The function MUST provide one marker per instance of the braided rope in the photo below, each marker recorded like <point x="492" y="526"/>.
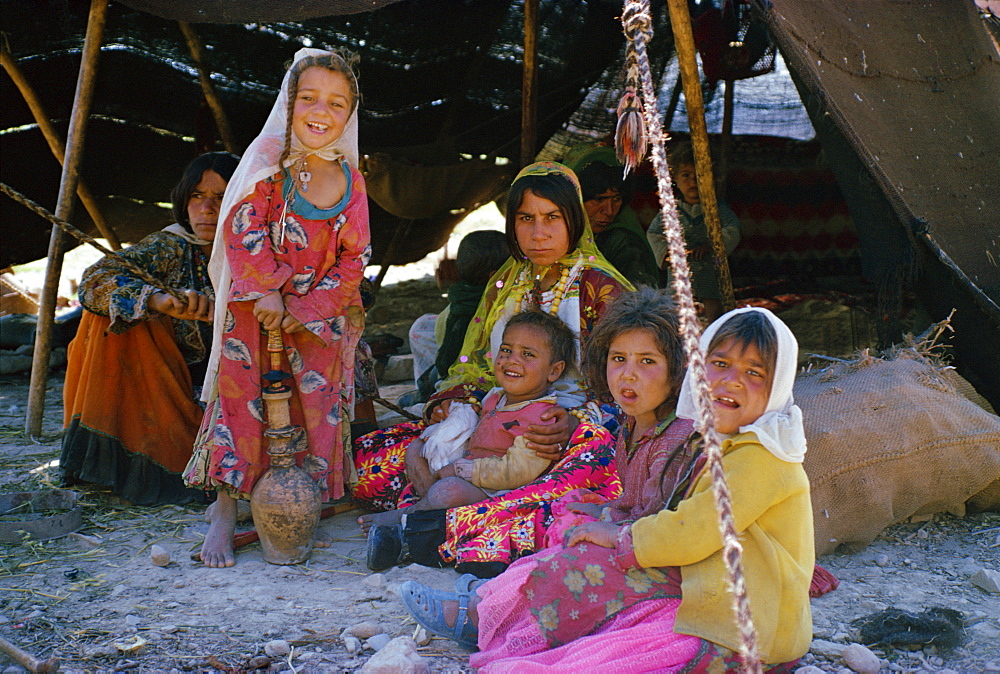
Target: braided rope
<point x="70" y="229"/>
<point x="637" y="23"/>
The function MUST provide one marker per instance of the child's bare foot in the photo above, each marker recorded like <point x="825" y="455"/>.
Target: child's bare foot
<point x="391" y="517"/>
<point x="217" y="550"/>
<point x="322" y="540"/>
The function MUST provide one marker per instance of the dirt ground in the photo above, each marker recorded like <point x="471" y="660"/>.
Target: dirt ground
<point x="95" y="600"/>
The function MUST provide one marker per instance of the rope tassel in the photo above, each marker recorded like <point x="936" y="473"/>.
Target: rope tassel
<point x="631" y="139"/>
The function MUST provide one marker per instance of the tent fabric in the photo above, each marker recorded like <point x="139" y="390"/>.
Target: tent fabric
<point x="242" y="11"/>
<point x="914" y="87"/>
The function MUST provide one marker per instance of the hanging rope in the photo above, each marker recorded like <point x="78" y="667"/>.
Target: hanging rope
<point x="637" y="23"/>
<point x="70" y="229"/>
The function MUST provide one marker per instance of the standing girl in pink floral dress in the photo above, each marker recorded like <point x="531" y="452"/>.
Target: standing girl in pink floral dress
<point x="290" y="254"/>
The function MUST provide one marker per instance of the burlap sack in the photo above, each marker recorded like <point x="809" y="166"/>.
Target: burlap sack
<point x="888" y="440"/>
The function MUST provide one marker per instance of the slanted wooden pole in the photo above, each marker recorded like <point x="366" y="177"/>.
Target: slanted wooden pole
<point x="55" y="143"/>
<point x="680" y="24"/>
<point x="67" y="190"/>
<point x="198" y="54"/>
<point x="529" y="84"/>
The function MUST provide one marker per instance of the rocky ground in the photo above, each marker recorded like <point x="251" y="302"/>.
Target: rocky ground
<point x="99" y="599"/>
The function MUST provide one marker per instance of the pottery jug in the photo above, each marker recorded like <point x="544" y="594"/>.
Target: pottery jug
<point x="286" y="501"/>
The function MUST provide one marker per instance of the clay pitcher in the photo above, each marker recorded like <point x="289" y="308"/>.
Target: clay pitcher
<point x="286" y="501"/>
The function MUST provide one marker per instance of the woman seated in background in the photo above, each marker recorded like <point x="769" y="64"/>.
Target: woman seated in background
<point x="617" y="232"/>
<point x="129" y="402"/>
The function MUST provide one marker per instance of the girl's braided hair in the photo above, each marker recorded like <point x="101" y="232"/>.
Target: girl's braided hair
<point x="339" y="62"/>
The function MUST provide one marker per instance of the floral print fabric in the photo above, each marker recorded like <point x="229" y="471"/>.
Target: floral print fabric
<point x="316" y="265"/>
<point x="509" y="526"/>
<point x="109" y="289"/>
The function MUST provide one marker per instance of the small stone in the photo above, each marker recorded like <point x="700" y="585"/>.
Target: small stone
<point x="364" y="630"/>
<point x="105" y="651"/>
<point x="34" y="614"/>
<point x="118" y="589"/>
<point x="992" y="666"/>
<point x="277" y="648"/>
<point x="870" y="606"/>
<point x="882" y="560"/>
<point x="825" y="648"/>
<point x="4" y="620"/>
<point x="153" y="636"/>
<point x="399" y="656"/>
<point x="376" y="581"/>
<point x="420" y="636"/>
<point x="308" y="656"/>
<point x="809" y="669"/>
<point x="159" y="555"/>
<point x="861" y="659"/>
<point x="132" y="619"/>
<point x="352" y="644"/>
<point x="987" y="579"/>
<point x="947" y="671"/>
<point x="178" y="584"/>
<point x="378" y="642"/>
<point x="968" y="565"/>
<point x="258" y="662"/>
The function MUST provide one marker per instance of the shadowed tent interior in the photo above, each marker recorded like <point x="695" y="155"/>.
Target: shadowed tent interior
<point x="874" y="167"/>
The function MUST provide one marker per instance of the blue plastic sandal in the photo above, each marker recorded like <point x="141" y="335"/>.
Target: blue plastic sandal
<point x="468" y="583"/>
<point x="426" y="605"/>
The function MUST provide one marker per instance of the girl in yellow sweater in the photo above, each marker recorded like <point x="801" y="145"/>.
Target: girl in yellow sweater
<point x="653" y="595"/>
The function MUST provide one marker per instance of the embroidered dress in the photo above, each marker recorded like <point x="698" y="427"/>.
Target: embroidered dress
<point x="129" y="404"/>
<point x="316" y="258"/>
<point x="512" y="525"/>
<point x="652" y="472"/>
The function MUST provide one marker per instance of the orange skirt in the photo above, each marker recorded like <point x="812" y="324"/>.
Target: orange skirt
<point x="129" y="410"/>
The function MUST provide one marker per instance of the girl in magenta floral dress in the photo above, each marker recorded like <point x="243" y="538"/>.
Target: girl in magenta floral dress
<point x="296" y="243"/>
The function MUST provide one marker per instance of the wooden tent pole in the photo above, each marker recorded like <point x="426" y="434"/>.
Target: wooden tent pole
<point x="55" y="143"/>
<point x="67" y="190"/>
<point x="529" y="84"/>
<point x="727" y="137"/>
<point x="204" y="76"/>
<point x="680" y="24"/>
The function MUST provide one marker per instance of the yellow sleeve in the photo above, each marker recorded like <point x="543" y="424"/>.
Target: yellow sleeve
<point x="757" y="480"/>
<point x="516" y="468"/>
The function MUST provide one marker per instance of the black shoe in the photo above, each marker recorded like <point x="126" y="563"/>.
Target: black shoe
<point x="385" y="546"/>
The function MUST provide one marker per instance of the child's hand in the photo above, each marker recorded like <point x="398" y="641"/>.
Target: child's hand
<point x="418" y="471"/>
<point x="440" y="412"/>
<point x="290" y="324"/>
<point x="270" y="310"/>
<point x="591" y="509"/>
<point x="604" y="534"/>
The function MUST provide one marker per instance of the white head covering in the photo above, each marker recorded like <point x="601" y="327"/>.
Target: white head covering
<point x="780" y="428"/>
<point x="260" y="161"/>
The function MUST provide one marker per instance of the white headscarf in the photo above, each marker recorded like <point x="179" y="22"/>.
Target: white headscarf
<point x="259" y="162"/>
<point x="780" y="428"/>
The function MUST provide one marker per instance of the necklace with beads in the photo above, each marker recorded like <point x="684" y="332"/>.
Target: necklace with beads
<point x="558" y="290"/>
